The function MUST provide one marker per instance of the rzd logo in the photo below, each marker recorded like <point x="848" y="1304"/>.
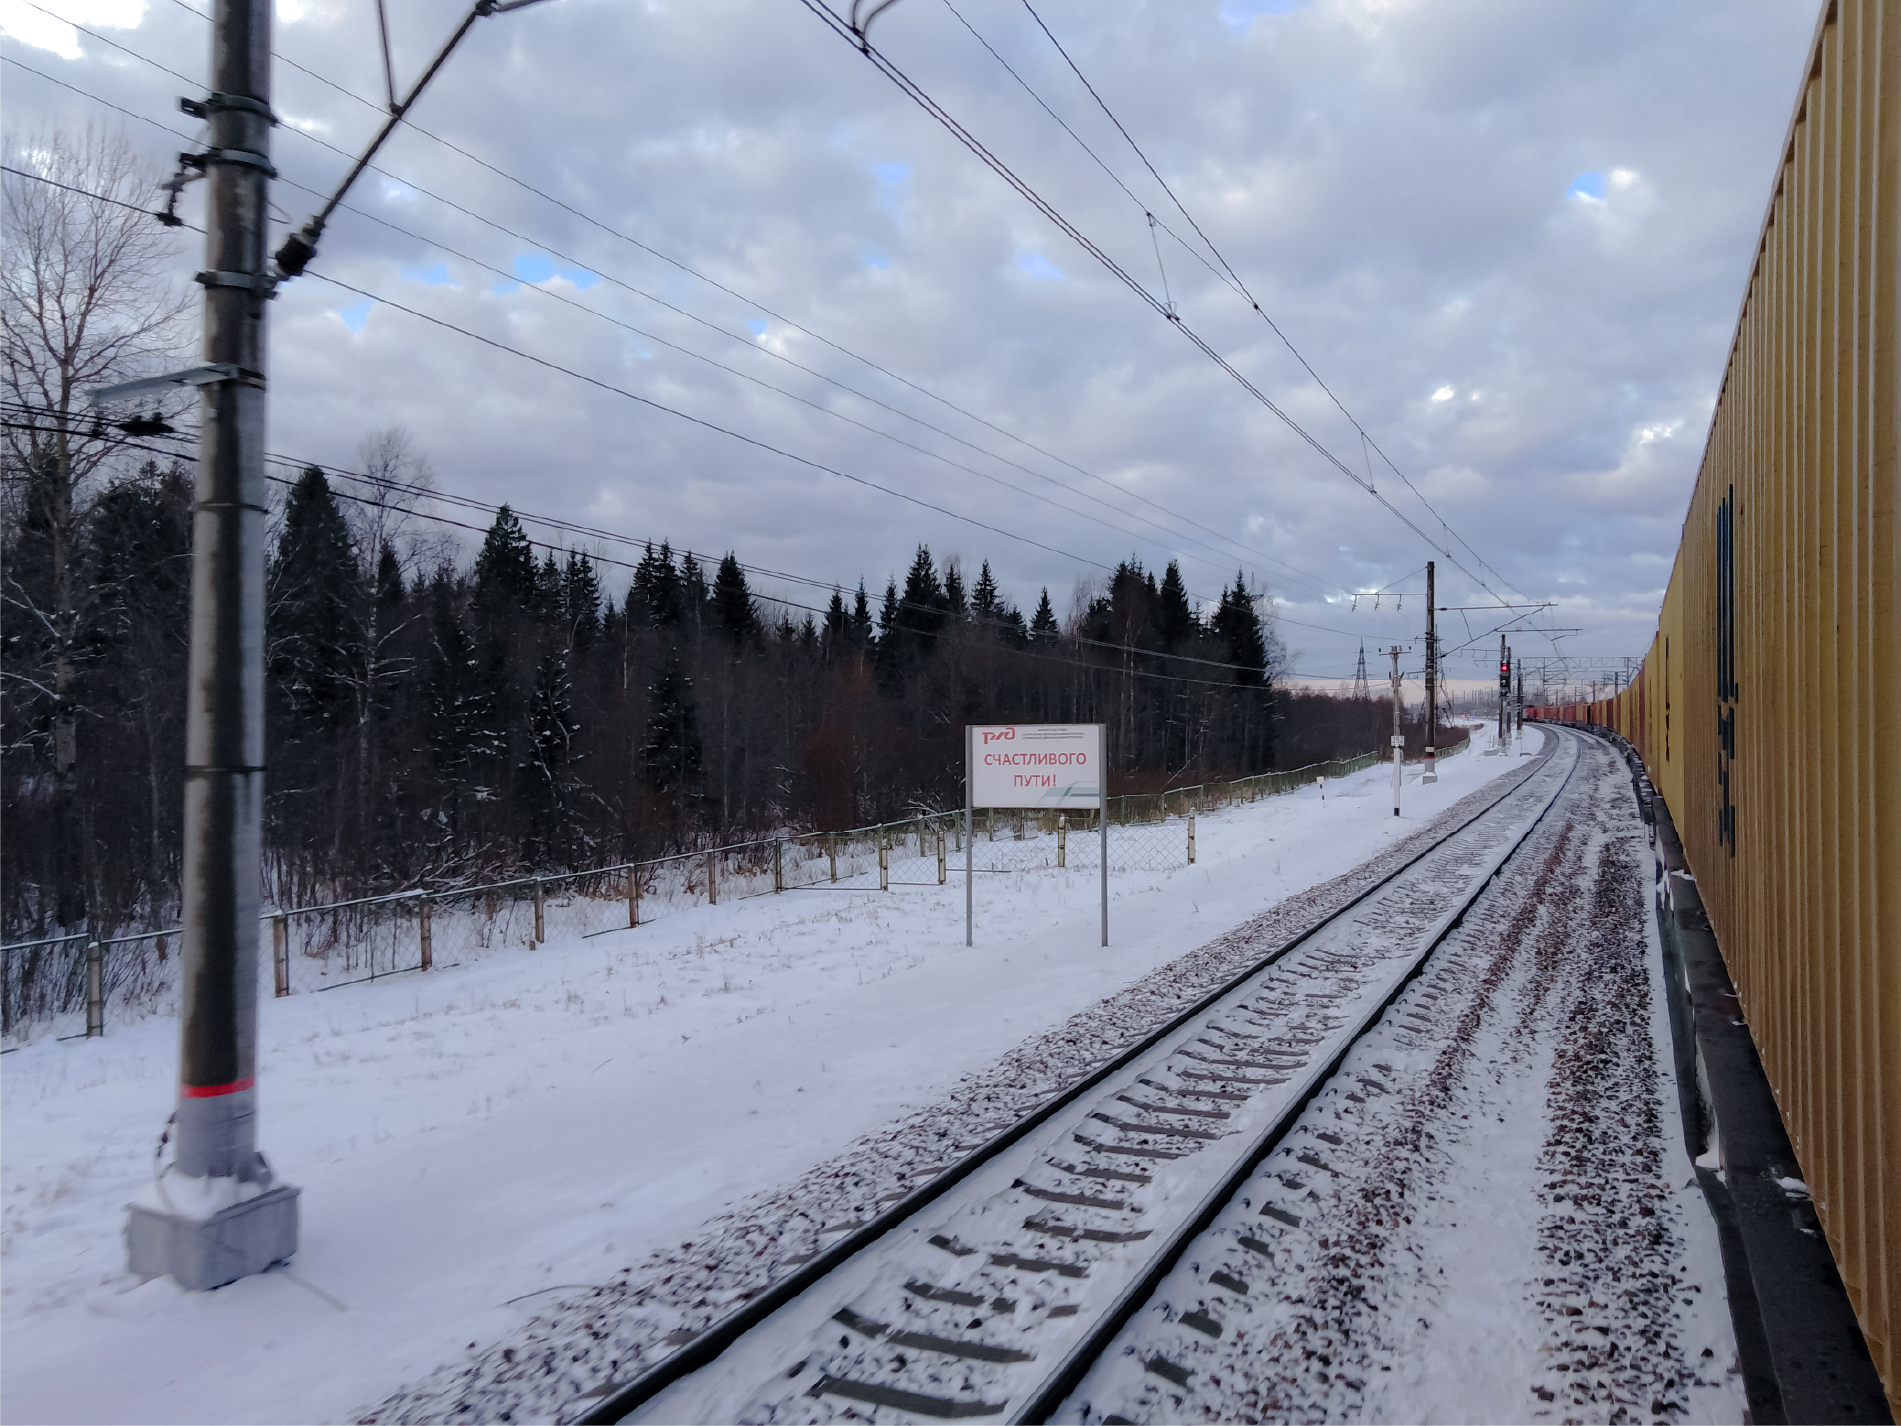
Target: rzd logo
<point x="1003" y="736"/>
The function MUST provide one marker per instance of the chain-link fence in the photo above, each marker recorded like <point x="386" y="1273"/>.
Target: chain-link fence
<point x="318" y="948"/>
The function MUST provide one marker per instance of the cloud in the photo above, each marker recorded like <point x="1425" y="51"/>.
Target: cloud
<point x="1389" y="181"/>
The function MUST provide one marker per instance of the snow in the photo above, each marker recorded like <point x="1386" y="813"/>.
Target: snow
<point x="471" y="1139"/>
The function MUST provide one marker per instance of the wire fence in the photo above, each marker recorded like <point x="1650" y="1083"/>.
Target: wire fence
<point x="317" y="948"/>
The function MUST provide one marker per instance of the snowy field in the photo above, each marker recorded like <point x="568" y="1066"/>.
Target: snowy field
<point x="475" y="1139"/>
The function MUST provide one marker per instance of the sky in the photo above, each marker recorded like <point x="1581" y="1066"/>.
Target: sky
<point x="1497" y="252"/>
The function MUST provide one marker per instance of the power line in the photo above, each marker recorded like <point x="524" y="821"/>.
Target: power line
<point x="520" y="237"/>
<point x="703" y="557"/>
<point x="652" y="336"/>
<point x="1237" y="285"/>
<point x="1249" y="551"/>
<point x="957" y="130"/>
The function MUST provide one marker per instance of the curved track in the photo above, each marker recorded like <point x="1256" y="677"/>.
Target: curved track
<point x="990" y="1294"/>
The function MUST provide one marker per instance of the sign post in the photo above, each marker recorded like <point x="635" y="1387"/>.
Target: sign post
<point x="1039" y="767"/>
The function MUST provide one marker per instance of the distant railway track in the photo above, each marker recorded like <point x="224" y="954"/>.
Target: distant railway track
<point x="989" y="1292"/>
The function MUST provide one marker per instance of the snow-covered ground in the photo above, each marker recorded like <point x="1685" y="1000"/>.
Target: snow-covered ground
<point x="468" y="1140"/>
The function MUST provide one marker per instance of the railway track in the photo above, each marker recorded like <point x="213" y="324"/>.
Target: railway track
<point x="989" y="1294"/>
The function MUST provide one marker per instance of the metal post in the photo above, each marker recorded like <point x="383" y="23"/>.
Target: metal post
<point x="1191" y="836"/>
<point x="1399" y="739"/>
<point x="541" y="912"/>
<point x="778" y="865"/>
<point x="95" y="989"/>
<point x="216" y="1136"/>
<point x="1521" y="710"/>
<point x="712" y="881"/>
<point x="423" y="930"/>
<point x="1431" y="774"/>
<point x="884" y="860"/>
<point x="1102" y="817"/>
<point x="280" y="955"/>
<point x="633" y="897"/>
<point x="1504" y="687"/>
<point x="940" y="854"/>
<point x="834" y="855"/>
<point x="970" y="830"/>
<point x="1062" y="839"/>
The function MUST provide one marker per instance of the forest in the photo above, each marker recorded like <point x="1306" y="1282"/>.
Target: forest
<point x="436" y="721"/>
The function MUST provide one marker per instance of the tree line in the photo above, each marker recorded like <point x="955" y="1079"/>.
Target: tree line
<point x="436" y="722"/>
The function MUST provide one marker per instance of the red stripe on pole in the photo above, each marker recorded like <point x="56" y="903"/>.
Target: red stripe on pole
<point x="212" y="1091"/>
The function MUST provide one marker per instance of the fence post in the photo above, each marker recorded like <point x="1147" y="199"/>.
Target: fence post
<point x="884" y="861"/>
<point x="778" y="865"/>
<point x="1062" y="841"/>
<point x="920" y="840"/>
<point x="712" y="880"/>
<point x="95" y="989"/>
<point x="940" y="853"/>
<point x="633" y="896"/>
<point x="280" y="954"/>
<point x="832" y="846"/>
<point x="423" y="930"/>
<point x="541" y="912"/>
<point x="1191" y="836"/>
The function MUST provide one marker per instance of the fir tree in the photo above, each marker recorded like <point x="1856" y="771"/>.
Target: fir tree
<point x="315" y="604"/>
<point x="693" y="596"/>
<point x="670" y="759"/>
<point x="732" y="606"/>
<point x="1174" y="619"/>
<point x="655" y="599"/>
<point x="1043" y="625"/>
<point x="986" y="603"/>
<point x="547" y="784"/>
<point x="581" y="601"/>
<point x="1237" y="630"/>
<point x="861" y="618"/>
<point x="956" y="605"/>
<point x="506" y="581"/>
<point x="838" y="631"/>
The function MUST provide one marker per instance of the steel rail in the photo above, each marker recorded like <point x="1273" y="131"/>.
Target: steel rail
<point x="621" y="1401"/>
<point x="1070" y="1372"/>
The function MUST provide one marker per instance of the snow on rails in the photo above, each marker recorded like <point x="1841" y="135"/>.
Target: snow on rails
<point x="998" y="1298"/>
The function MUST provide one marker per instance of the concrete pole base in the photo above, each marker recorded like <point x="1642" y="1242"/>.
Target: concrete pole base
<point x="203" y="1253"/>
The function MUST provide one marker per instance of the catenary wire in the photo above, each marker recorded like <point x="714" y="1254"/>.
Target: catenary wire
<point x="776" y="316"/>
<point x="179" y="133"/>
<point x="583" y="307"/>
<point x="912" y="90"/>
<point x="605" y="559"/>
<point x="1237" y="285"/>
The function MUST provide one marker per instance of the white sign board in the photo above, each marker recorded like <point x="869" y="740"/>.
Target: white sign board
<point x="1036" y="765"/>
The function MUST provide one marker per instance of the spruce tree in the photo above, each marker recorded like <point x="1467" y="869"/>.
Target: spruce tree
<point x="956" y="605"/>
<point x="1043" y="625"/>
<point x="547" y="784"/>
<point x="315" y="608"/>
<point x="861" y="619"/>
<point x="507" y="584"/>
<point x="986" y="603"/>
<point x="581" y="601"/>
<point x="838" y="630"/>
<point x="1174" y="619"/>
<point x="732" y="607"/>
<point x="670" y="758"/>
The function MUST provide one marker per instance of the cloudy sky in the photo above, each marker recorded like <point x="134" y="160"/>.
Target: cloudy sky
<point x="801" y="321"/>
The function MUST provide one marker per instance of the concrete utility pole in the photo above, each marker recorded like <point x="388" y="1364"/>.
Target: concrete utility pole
<point x="1504" y="687"/>
<point x="1431" y="774"/>
<point x="1521" y="709"/>
<point x="221" y="1218"/>
<point x="1399" y="738"/>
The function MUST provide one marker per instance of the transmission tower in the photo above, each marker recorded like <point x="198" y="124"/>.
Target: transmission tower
<point x="1360" y="687"/>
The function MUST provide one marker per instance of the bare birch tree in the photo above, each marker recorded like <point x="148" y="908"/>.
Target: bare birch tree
<point x="88" y="295"/>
